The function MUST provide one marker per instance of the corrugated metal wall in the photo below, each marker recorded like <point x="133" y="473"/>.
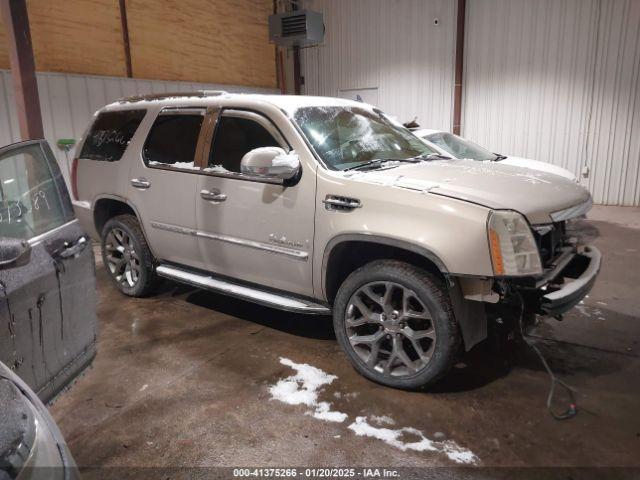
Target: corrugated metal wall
<point x="553" y="80"/>
<point x="391" y="45"/>
<point x="558" y="81"/>
<point x="68" y="102"/>
<point x="613" y="142"/>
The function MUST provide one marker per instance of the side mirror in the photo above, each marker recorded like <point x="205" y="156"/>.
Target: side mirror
<point x="13" y="251"/>
<point x="270" y="162"/>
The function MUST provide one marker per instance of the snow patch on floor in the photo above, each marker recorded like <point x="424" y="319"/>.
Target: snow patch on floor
<point x="382" y="420"/>
<point x="348" y="396"/>
<point x="394" y="438"/>
<point x="323" y="412"/>
<point x="583" y="309"/>
<point x="303" y="389"/>
<point x="590" y="312"/>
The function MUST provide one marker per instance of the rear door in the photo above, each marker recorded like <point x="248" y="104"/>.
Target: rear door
<point x="47" y="275"/>
<point x="163" y="182"/>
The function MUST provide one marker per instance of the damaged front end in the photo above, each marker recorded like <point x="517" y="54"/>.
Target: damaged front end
<point x="540" y="270"/>
<point x="570" y="266"/>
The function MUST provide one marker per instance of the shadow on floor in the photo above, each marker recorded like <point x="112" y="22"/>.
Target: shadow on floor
<point x="488" y="361"/>
<point x="310" y="326"/>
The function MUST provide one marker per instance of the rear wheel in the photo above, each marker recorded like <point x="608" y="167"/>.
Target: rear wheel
<point x="127" y="258"/>
<point x="396" y="324"/>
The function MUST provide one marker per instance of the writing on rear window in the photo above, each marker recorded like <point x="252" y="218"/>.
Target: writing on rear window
<point x="103" y="137"/>
<point x="110" y="135"/>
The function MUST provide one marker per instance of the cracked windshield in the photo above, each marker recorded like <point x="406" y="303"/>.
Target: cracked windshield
<point x="347" y="138"/>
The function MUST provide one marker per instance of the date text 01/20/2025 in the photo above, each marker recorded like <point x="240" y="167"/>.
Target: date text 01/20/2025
<point x="316" y="472"/>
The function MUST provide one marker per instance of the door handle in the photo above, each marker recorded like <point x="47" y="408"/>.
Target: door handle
<point x="141" y="183"/>
<point x="71" y="249"/>
<point x="213" y="195"/>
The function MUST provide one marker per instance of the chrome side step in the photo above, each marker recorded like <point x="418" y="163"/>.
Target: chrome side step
<point x="269" y="299"/>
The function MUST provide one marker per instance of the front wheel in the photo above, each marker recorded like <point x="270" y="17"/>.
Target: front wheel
<point x="396" y="324"/>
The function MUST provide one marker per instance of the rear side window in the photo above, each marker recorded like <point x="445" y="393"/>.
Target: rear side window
<point x="110" y="135"/>
<point x="173" y="139"/>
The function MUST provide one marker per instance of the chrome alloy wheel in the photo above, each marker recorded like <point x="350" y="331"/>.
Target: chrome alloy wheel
<point x="390" y="329"/>
<point x="122" y="260"/>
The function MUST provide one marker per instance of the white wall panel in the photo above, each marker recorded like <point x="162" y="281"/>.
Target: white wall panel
<point x="557" y="80"/>
<point x="613" y="148"/>
<point x="68" y="101"/>
<point x="553" y="80"/>
<point x="392" y="45"/>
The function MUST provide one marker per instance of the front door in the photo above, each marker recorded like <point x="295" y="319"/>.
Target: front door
<point x="47" y="274"/>
<point x="163" y="185"/>
<point x="251" y="230"/>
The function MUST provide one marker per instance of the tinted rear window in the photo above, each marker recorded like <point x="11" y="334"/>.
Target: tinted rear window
<point x="110" y="135"/>
<point x="173" y="140"/>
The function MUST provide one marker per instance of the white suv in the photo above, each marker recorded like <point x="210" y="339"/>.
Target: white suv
<point x="321" y="205"/>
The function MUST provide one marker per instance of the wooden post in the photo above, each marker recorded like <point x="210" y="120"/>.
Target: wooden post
<point x="125" y="38"/>
<point x="457" y="88"/>
<point x="23" y="71"/>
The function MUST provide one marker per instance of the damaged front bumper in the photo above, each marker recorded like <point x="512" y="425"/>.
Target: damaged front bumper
<point x="478" y="303"/>
<point x="563" y="285"/>
<point x="570" y="282"/>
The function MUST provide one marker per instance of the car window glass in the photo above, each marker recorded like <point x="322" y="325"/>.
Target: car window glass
<point x="459" y="147"/>
<point x="110" y="135"/>
<point x="173" y="140"/>
<point x="33" y="197"/>
<point x="346" y="136"/>
<point x="234" y="138"/>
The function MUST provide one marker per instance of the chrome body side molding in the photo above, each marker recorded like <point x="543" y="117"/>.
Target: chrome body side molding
<point x="252" y="294"/>
<point x="268" y="247"/>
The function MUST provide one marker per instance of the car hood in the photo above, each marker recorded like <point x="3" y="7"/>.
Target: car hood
<point x="533" y="193"/>
<point x="538" y="165"/>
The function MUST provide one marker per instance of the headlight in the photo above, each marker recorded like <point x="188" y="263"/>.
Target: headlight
<point x="513" y="249"/>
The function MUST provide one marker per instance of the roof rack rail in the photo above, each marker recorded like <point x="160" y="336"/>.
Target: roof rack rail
<point x="164" y="96"/>
<point x="213" y="93"/>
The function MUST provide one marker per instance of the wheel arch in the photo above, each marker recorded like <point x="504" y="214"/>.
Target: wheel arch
<point x="345" y="253"/>
<point x="108" y="206"/>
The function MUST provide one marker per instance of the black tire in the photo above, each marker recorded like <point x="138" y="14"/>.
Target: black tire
<point x="147" y="279"/>
<point x="419" y="286"/>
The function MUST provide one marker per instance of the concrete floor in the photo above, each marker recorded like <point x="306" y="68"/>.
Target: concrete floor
<point x="182" y="379"/>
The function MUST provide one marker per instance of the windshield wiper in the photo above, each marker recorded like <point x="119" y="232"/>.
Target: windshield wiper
<point x="378" y="162"/>
<point x="433" y="156"/>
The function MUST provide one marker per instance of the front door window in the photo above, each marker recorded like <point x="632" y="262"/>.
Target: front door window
<point x="235" y="137"/>
<point x="33" y="197"/>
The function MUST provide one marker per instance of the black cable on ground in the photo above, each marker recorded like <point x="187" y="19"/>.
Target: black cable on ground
<point x="572" y="410"/>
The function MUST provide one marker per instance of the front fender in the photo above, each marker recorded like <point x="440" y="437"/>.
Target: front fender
<point x="380" y="240"/>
